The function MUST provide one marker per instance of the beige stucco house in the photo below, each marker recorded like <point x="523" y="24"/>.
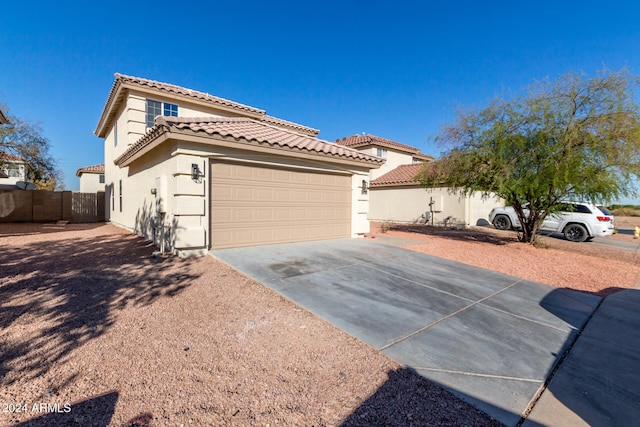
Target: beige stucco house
<point x="193" y="171"/>
<point x="91" y="178"/>
<point x="394" y="153"/>
<point x="396" y="195"/>
<point x="13" y="170"/>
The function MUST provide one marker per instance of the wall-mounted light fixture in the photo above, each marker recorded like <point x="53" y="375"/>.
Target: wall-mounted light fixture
<point x="365" y="187"/>
<point x="195" y="172"/>
<point x="154" y="191"/>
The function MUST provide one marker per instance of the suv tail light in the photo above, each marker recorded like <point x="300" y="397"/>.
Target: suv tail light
<point x="604" y="218"/>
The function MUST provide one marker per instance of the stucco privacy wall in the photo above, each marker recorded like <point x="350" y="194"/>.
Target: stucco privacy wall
<point x="409" y="204"/>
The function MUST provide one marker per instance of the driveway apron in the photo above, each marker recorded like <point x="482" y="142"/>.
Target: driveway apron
<point x="489" y="338"/>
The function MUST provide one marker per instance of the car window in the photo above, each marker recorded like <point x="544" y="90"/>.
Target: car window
<point x="605" y="210"/>
<point x="581" y="209"/>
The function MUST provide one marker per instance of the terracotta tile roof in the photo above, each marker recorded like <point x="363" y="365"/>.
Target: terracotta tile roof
<point x="249" y="131"/>
<point x="290" y="125"/>
<point x="166" y="87"/>
<point x="121" y="80"/>
<point x="402" y="175"/>
<point x="91" y="169"/>
<point x="356" y="141"/>
<point x="9" y="156"/>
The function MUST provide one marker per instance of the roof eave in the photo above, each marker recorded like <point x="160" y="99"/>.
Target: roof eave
<point x="165" y="133"/>
<point x="112" y="102"/>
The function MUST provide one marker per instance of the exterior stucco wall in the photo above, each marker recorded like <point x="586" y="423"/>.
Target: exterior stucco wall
<point x="180" y="223"/>
<point x="409" y="204"/>
<point x="168" y="171"/>
<point x="359" y="204"/>
<point x="12" y="180"/>
<point x="393" y="160"/>
<point x="90" y="183"/>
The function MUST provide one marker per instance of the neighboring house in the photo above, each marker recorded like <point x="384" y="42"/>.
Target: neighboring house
<point x="194" y="172"/>
<point x="398" y="196"/>
<point x="394" y="153"/>
<point x="395" y="195"/>
<point x="91" y="178"/>
<point x="12" y="170"/>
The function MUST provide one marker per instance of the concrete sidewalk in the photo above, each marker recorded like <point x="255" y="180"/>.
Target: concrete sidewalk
<point x="598" y="384"/>
<point x="491" y="339"/>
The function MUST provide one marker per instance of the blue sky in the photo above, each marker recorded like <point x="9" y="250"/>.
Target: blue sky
<point x="395" y="69"/>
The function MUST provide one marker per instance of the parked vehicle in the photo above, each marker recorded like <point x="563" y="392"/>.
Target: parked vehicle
<point x="577" y="221"/>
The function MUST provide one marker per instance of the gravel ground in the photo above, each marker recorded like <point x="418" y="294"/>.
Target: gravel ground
<point x="94" y="331"/>
<point x="556" y="262"/>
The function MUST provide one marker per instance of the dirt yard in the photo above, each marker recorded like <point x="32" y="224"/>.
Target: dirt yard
<point x="556" y="262"/>
<point x="94" y="331"/>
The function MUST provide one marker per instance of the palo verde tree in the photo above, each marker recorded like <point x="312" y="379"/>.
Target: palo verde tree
<point x="23" y="140"/>
<point x="576" y="138"/>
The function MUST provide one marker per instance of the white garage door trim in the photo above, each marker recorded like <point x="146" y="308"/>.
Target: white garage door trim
<point x="261" y="204"/>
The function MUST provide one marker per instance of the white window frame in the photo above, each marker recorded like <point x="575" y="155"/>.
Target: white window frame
<point x="165" y="107"/>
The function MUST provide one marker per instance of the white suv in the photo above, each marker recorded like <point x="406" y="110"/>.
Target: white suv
<point x="578" y="221"/>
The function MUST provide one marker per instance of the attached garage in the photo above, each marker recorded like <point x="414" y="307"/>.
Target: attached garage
<point x="258" y="204"/>
<point x="224" y="182"/>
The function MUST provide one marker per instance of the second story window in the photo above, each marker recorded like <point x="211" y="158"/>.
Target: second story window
<point x="170" y="110"/>
<point x="101" y="178"/>
<point x="382" y="152"/>
<point x="157" y="108"/>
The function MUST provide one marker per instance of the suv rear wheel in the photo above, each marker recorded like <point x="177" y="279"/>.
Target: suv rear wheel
<point x="575" y="233"/>
<point x="502" y="222"/>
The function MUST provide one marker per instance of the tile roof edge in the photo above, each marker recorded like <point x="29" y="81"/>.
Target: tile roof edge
<point x="164" y="124"/>
<point x="170" y="87"/>
<point x="384" y="180"/>
<point x="295" y="126"/>
<point x="369" y="139"/>
<point x="98" y="168"/>
<point x="123" y="80"/>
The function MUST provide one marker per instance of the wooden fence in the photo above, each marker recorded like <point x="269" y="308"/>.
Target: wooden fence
<point x="46" y="206"/>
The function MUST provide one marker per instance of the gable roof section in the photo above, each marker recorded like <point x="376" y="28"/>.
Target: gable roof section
<point x="123" y="82"/>
<point x="357" y="141"/>
<point x="252" y="132"/>
<point x="91" y="169"/>
<point x="402" y="175"/>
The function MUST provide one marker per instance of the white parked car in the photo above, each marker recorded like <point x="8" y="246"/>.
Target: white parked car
<point x="578" y="221"/>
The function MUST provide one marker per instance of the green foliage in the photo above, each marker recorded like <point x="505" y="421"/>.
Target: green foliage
<point x="574" y="138"/>
<point x="23" y="139"/>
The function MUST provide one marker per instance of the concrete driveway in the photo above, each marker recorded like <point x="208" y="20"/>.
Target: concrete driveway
<point x="490" y="338"/>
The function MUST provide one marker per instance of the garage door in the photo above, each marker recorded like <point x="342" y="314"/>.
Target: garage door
<point x="256" y="205"/>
